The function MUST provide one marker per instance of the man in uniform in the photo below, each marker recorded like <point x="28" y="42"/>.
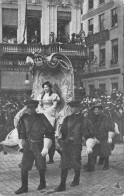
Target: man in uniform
<point x="36" y="134"/>
<point x="71" y="145"/>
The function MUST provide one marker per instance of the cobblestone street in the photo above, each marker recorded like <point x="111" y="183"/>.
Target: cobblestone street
<point x="97" y="183"/>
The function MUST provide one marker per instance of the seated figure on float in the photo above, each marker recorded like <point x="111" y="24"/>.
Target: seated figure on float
<point x="48" y="101"/>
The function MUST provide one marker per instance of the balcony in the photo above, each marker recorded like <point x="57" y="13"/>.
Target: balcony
<point x="26" y="49"/>
<point x="97" y="38"/>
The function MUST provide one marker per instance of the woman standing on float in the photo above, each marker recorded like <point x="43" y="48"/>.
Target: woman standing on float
<point x="48" y="101"/>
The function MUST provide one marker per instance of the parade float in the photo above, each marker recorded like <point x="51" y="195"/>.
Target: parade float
<point x="58" y="70"/>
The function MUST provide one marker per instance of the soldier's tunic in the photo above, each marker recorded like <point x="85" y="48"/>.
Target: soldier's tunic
<point x="71" y="144"/>
<point x="33" y="128"/>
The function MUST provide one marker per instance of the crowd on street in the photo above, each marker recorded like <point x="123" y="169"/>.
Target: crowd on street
<point x="113" y="105"/>
<point x="36" y="124"/>
<point x="10" y="104"/>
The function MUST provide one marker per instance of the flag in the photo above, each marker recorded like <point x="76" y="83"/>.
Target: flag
<point x="25" y="26"/>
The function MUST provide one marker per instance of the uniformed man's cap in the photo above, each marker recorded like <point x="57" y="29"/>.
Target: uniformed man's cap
<point x="31" y="103"/>
<point x="97" y="105"/>
<point x="74" y="103"/>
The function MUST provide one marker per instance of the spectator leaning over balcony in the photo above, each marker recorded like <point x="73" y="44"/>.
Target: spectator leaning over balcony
<point x="73" y="39"/>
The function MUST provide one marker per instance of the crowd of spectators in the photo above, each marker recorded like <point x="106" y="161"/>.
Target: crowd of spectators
<point x="10" y="104"/>
<point x="113" y="105"/>
<point x="68" y="39"/>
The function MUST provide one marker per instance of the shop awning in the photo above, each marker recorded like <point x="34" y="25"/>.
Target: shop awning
<point x="10" y="17"/>
<point x="34" y="13"/>
<point x="61" y="15"/>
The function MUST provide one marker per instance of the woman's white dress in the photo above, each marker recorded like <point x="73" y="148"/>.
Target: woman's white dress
<point x="46" y="106"/>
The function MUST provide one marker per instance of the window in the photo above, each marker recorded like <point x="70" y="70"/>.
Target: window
<point x="115" y="85"/>
<point x="33" y="26"/>
<point x="114" y="17"/>
<point x="102" y="87"/>
<point x="10" y="25"/>
<point x="102" y="22"/>
<point x="90" y="26"/>
<point x="102" y="55"/>
<point x="91" y="90"/>
<point x="91" y="53"/>
<point x="9" y="35"/>
<point x="114" y="59"/>
<point x="81" y="26"/>
<point x="101" y="2"/>
<point x="90" y="4"/>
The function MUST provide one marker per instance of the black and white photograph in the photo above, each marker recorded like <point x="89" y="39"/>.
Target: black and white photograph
<point x="62" y="97"/>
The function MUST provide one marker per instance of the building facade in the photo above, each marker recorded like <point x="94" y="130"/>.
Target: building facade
<point x="103" y="23"/>
<point x="27" y="26"/>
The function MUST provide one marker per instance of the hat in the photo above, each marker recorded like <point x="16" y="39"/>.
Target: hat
<point x="31" y="102"/>
<point x="97" y="105"/>
<point x="74" y="103"/>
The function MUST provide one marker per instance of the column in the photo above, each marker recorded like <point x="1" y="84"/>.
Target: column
<point x="45" y="22"/>
<point x="120" y="83"/>
<point x="96" y="24"/>
<point x="96" y="84"/>
<point x="0" y="21"/>
<point x="53" y="19"/>
<point x="108" y="86"/>
<point x="78" y="20"/>
<point x="96" y="52"/>
<point x="75" y="24"/>
<point x="73" y="21"/>
<point x="86" y="86"/>
<point x="21" y="20"/>
<point x="108" y="53"/>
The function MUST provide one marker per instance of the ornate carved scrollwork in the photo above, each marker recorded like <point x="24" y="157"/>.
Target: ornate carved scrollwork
<point x="57" y="68"/>
<point x="63" y="3"/>
<point x="52" y="2"/>
<point x="78" y="4"/>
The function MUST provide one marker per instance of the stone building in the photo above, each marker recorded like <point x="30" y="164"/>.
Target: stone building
<point x="27" y="26"/>
<point x="103" y="23"/>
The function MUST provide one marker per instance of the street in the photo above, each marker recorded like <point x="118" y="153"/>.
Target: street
<point x="97" y="183"/>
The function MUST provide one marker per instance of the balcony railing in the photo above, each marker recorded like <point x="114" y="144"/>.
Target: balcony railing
<point x="67" y="49"/>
